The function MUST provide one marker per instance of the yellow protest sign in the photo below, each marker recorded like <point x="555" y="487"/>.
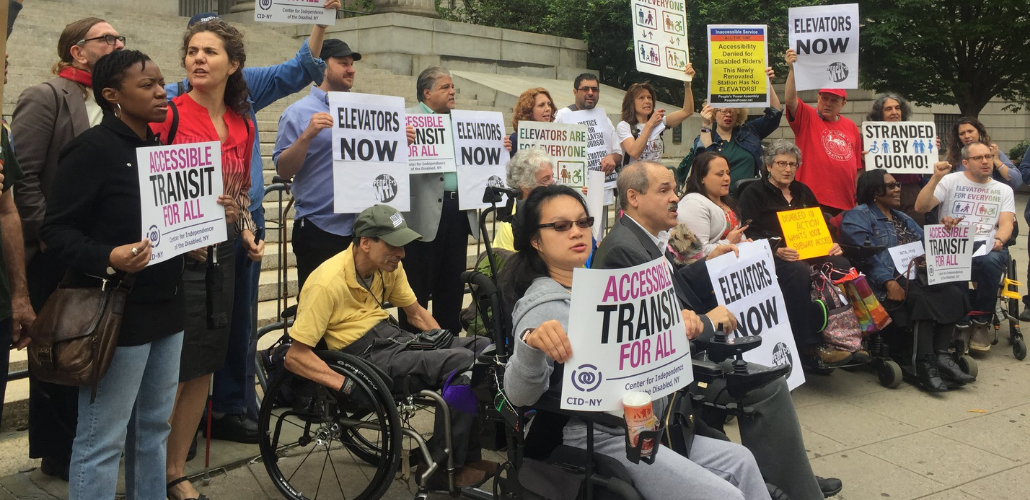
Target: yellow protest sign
<point x="737" y="57"/>
<point x="805" y="231"/>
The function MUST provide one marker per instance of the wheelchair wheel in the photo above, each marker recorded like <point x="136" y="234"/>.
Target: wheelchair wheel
<point x="968" y="365"/>
<point x="328" y="445"/>
<point x="889" y="373"/>
<point x="1019" y="349"/>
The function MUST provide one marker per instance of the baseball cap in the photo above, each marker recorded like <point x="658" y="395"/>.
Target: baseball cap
<point x="386" y="223"/>
<point x="837" y="92"/>
<point x="202" y="17"/>
<point x="333" y="47"/>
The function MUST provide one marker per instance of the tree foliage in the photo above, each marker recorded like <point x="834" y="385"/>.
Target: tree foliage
<point x="947" y="51"/>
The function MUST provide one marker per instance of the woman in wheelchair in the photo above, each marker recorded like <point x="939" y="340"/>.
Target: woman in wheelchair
<point x="552" y="241"/>
<point x="930" y="311"/>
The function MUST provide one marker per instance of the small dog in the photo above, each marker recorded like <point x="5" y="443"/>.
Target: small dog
<point x="684" y="245"/>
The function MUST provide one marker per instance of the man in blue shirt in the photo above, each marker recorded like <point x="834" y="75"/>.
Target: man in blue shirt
<point x="304" y="151"/>
<point x="234" y="403"/>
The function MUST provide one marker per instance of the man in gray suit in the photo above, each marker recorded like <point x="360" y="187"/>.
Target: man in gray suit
<point x="434" y="265"/>
<point x="773" y="434"/>
<point x="47" y="117"/>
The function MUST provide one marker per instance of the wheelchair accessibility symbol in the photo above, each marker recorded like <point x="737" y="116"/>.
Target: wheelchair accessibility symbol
<point x="586" y="378"/>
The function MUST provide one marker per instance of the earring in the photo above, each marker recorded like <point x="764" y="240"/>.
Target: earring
<point x="118" y="112"/>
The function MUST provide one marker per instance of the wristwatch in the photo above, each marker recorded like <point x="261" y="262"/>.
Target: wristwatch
<point x="705" y="129"/>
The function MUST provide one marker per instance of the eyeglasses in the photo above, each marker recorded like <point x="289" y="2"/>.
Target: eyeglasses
<point x="564" y="225"/>
<point x="786" y="164"/>
<point x="981" y="158"/>
<point x="108" y="39"/>
<point x="589" y="89"/>
<point x="892" y="185"/>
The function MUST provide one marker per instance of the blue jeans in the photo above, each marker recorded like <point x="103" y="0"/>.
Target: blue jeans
<point x="233" y="391"/>
<point x="987" y="272"/>
<point x="131" y="410"/>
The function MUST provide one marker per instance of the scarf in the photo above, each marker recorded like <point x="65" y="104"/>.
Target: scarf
<point x="77" y="75"/>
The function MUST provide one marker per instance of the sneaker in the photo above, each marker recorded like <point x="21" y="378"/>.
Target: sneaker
<point x="980" y="340"/>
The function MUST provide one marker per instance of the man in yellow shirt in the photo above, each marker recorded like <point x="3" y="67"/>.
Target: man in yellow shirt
<point x="342" y="303"/>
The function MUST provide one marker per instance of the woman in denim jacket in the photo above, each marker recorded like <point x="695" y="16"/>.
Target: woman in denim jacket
<point x="727" y="131"/>
<point x="930" y="311"/>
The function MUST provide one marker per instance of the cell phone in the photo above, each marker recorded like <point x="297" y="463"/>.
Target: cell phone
<point x="775" y="241"/>
<point x="747" y="223"/>
<point x="257" y="239"/>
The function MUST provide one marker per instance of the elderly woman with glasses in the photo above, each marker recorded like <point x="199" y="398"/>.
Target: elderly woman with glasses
<point x="528" y="169"/>
<point x="931" y="312"/>
<point x="779" y="191"/>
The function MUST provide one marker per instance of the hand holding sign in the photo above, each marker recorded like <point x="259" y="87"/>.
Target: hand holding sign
<point x="130" y="258"/>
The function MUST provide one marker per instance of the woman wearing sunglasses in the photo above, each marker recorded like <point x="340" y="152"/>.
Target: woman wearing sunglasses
<point x="554" y="241"/>
<point x="931" y="312"/>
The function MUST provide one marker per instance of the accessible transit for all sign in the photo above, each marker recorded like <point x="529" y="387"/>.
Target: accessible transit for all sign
<point x="949" y="253"/>
<point x="737" y="58"/>
<point x="179" y="187"/>
<point x="479" y="155"/>
<point x="660" y="37"/>
<point x="826" y="40"/>
<point x="370" y="152"/>
<point x="566" y="144"/>
<point x="627" y="335"/>
<point x="805" y="230"/>
<point x="748" y="287"/>
<point x="900" y="147"/>
<point x="433" y="149"/>
<point x="294" y="12"/>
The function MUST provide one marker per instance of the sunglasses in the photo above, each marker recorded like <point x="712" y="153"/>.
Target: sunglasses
<point x="564" y="225"/>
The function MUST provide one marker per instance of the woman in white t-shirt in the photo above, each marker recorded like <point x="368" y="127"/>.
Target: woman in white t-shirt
<point x="639" y="132"/>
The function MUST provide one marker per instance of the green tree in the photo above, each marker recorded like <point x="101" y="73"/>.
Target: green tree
<point x="947" y="51"/>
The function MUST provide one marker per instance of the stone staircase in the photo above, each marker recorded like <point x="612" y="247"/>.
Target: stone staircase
<point x="32" y="49"/>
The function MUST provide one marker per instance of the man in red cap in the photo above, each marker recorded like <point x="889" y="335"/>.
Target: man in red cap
<point x="830" y="144"/>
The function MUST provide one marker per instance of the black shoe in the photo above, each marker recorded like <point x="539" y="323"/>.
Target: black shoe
<point x="234" y="428"/>
<point x="1025" y="315"/>
<point x="54" y="467"/>
<point x="950" y="370"/>
<point x="830" y="486"/>
<point x="929" y="376"/>
<point x="190" y="455"/>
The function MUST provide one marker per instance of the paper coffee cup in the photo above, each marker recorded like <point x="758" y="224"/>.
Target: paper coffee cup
<point x="639" y="414"/>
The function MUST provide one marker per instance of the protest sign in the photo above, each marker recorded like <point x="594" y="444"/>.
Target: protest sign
<point x="628" y="335"/>
<point x="599" y="136"/>
<point x="179" y="187"/>
<point x="595" y="200"/>
<point x="826" y="40"/>
<point x="660" y="37"/>
<point x="370" y="157"/>
<point x="737" y="58"/>
<point x="949" y="253"/>
<point x="479" y="154"/>
<point x="565" y="143"/>
<point x="900" y="147"/>
<point x="747" y="286"/>
<point x="294" y="12"/>
<point x="433" y="149"/>
<point x="902" y="255"/>
<point x="805" y="231"/>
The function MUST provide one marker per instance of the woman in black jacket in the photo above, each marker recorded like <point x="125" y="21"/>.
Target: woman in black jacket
<point x="93" y="224"/>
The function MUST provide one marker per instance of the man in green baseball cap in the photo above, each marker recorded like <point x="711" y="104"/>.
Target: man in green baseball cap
<point x="343" y="303"/>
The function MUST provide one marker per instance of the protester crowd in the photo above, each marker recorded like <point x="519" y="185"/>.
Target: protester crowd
<point x="72" y="220"/>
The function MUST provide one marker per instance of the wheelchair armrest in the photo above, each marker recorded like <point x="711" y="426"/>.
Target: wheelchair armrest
<point x="861" y="251"/>
<point x="720" y="348"/>
<point x="706" y="371"/>
<point x="289" y="312"/>
<point x="740" y="383"/>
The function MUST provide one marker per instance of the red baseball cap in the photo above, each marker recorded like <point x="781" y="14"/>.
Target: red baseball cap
<point x="837" y="92"/>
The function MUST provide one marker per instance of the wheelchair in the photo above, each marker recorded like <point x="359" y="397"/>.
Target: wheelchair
<point x="1007" y="307"/>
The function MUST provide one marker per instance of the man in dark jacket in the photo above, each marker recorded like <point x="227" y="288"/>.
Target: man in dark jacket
<point x="773" y="434"/>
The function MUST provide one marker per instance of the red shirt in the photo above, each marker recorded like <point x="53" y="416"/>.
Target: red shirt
<point x="195" y="126"/>
<point x="831" y="155"/>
